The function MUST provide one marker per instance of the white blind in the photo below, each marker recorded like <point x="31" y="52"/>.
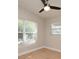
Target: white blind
<point x="56" y="29"/>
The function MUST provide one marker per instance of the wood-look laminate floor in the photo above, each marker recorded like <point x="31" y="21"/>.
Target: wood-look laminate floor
<point x="42" y="54"/>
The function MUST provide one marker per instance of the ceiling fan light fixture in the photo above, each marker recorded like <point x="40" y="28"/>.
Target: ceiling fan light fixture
<point x="46" y="8"/>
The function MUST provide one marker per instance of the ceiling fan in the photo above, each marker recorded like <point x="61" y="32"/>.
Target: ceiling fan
<point x="47" y="6"/>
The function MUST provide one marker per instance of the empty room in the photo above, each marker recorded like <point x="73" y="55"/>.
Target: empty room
<point x="39" y="29"/>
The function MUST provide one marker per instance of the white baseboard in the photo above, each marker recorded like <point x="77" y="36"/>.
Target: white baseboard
<point x="32" y="50"/>
<point x="53" y="49"/>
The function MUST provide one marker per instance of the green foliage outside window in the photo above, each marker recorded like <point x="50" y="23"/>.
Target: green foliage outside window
<point x="26" y="29"/>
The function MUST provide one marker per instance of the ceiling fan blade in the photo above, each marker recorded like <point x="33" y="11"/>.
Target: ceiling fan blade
<point x="41" y="10"/>
<point x="44" y="2"/>
<point x="54" y="7"/>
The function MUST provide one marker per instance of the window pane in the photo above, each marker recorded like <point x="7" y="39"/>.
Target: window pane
<point x="20" y="26"/>
<point x="20" y="36"/>
<point x="56" y="29"/>
<point x="30" y="30"/>
<point x="29" y="35"/>
<point x="30" y="27"/>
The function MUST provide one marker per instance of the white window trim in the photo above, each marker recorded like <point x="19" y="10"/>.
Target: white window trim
<point x="24" y="33"/>
<point x="53" y="27"/>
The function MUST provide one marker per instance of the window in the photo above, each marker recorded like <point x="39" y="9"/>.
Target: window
<point x="27" y="31"/>
<point x="56" y="29"/>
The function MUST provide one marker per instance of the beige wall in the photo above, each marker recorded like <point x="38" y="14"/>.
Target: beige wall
<point x="52" y="41"/>
<point x="27" y="16"/>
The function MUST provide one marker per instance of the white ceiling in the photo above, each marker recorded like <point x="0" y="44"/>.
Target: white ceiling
<point x="34" y="6"/>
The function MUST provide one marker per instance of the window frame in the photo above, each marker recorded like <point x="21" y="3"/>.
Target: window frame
<point x="24" y="32"/>
<point x="55" y="29"/>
